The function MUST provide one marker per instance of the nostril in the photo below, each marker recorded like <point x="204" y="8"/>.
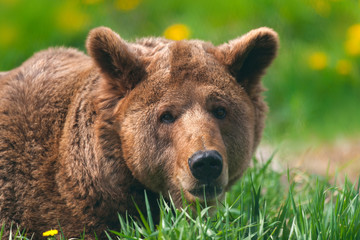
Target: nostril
<point x="198" y="165"/>
<point x="213" y="162"/>
<point x="206" y="165"/>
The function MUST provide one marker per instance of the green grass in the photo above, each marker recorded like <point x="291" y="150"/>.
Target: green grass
<point x="265" y="204"/>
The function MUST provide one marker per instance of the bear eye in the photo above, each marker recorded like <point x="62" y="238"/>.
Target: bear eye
<point x="167" y="117"/>
<point x="219" y="113"/>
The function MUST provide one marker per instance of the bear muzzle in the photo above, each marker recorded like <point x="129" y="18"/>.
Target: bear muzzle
<point x="206" y="167"/>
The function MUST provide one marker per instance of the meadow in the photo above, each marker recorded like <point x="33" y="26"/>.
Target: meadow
<point x="313" y="95"/>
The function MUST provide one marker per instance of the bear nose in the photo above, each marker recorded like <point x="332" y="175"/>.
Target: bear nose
<point x="206" y="166"/>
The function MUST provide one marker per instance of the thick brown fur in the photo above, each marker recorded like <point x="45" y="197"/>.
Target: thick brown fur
<point x="81" y="137"/>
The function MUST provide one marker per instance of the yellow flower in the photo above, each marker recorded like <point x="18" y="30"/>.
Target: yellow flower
<point x="322" y="7"/>
<point x="343" y="67"/>
<point x="352" y="47"/>
<point x="177" y="32"/>
<point x="91" y="2"/>
<point x="70" y="18"/>
<point x="126" y="5"/>
<point x="9" y="2"/>
<point x="317" y="60"/>
<point x="354" y="32"/>
<point x="8" y="35"/>
<point x="50" y="233"/>
<point x="352" y="44"/>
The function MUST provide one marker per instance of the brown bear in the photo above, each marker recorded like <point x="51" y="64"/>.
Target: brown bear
<point x="82" y="137"/>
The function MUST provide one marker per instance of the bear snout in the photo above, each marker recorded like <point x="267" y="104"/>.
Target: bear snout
<point x="206" y="166"/>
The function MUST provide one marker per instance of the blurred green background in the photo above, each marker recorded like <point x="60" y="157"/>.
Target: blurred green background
<point x="314" y="84"/>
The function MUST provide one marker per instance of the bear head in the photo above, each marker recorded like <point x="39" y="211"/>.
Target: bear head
<point x="189" y="115"/>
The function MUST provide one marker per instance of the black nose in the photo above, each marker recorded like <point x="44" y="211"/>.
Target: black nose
<point x="206" y="165"/>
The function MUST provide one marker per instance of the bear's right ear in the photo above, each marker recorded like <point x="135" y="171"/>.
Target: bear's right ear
<point x="119" y="65"/>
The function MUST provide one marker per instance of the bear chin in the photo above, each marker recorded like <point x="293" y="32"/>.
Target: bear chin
<point x="207" y="192"/>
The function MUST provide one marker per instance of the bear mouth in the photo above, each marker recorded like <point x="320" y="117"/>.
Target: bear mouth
<point x="207" y="191"/>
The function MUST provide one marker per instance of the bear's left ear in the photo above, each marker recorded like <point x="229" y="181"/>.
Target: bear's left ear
<point x="119" y="65"/>
<point x="247" y="57"/>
